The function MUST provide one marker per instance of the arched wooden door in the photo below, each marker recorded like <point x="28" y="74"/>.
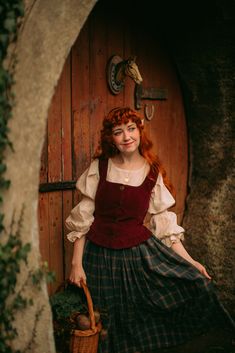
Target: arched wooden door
<point x="81" y="99"/>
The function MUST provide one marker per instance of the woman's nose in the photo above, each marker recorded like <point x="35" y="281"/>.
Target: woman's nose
<point x="126" y="135"/>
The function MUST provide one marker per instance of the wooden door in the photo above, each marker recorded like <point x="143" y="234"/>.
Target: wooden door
<point x="81" y="100"/>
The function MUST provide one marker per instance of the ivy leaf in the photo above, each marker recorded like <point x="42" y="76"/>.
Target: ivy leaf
<point x="4" y="39"/>
<point x="2" y="168"/>
<point x="4" y="184"/>
<point x="19" y="9"/>
<point x="23" y="252"/>
<point x="10" y="24"/>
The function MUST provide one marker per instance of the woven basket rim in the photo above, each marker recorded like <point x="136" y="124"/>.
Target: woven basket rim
<point x="86" y="333"/>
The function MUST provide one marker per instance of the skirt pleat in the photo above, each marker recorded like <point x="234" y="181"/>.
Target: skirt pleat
<point x="150" y="297"/>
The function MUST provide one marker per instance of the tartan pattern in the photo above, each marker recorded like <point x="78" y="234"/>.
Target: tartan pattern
<point x="153" y="297"/>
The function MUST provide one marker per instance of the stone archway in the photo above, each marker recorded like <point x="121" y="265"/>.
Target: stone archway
<point x="48" y="32"/>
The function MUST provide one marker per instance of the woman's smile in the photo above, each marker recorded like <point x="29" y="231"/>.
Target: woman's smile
<point x="128" y="144"/>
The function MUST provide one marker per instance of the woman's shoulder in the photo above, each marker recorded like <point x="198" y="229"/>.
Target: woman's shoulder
<point x="90" y="173"/>
<point x="93" y="167"/>
<point x="88" y="181"/>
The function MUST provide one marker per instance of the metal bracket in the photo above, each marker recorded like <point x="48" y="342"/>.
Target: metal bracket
<point x="58" y="186"/>
<point x="149" y="94"/>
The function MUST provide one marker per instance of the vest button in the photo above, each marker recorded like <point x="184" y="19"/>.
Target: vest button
<point x="122" y="187"/>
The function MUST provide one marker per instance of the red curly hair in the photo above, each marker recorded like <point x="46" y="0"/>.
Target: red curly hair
<point x="107" y="149"/>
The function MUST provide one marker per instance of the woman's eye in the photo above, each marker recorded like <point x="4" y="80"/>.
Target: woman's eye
<point x="131" y="128"/>
<point x="116" y="133"/>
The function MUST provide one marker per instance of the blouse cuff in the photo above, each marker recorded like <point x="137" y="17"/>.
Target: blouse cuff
<point x="72" y="236"/>
<point x="80" y="219"/>
<point x="168" y="240"/>
<point x="164" y="226"/>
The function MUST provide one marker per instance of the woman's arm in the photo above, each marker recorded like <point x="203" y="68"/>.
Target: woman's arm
<point x="77" y="273"/>
<point x="180" y="250"/>
<point x="163" y="223"/>
<point x="80" y="219"/>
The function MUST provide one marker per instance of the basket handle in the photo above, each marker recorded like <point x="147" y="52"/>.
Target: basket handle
<point x="89" y="304"/>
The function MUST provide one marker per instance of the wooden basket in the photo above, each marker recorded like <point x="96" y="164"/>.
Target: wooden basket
<point x="86" y="341"/>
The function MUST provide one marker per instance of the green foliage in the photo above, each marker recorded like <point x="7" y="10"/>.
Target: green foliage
<point x="13" y="253"/>
<point x="68" y="301"/>
<point x="43" y="272"/>
<point x="10" y="12"/>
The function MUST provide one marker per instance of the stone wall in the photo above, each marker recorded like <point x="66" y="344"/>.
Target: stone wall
<point x="203" y="48"/>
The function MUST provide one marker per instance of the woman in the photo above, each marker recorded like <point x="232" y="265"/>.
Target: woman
<point x="127" y="246"/>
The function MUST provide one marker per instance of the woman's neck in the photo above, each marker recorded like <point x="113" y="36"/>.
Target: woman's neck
<point x="129" y="161"/>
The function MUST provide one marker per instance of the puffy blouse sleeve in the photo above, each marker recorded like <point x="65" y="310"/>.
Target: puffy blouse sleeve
<point x="161" y="222"/>
<point x="81" y="216"/>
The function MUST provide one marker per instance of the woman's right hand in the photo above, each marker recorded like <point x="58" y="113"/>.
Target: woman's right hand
<point x="77" y="275"/>
<point x="202" y="269"/>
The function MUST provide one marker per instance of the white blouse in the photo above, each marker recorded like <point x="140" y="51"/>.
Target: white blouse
<point x="161" y="222"/>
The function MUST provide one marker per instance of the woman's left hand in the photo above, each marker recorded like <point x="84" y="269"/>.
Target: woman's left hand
<point x="202" y="269"/>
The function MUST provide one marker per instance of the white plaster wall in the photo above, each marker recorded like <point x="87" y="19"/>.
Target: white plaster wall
<point x="49" y="30"/>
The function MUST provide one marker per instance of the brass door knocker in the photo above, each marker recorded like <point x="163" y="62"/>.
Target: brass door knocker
<point x="117" y="71"/>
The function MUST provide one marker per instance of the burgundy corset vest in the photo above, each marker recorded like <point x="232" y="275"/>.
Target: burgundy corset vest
<point x="120" y="211"/>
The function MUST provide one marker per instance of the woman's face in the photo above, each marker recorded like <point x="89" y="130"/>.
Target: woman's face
<point x="126" y="137"/>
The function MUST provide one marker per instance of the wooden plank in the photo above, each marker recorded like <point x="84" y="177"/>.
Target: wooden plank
<point x="114" y="42"/>
<point x="43" y="206"/>
<point x="66" y="141"/>
<point x="179" y="158"/>
<point x="54" y="137"/>
<point x="129" y="48"/>
<point x="43" y="224"/>
<point x="44" y="244"/>
<point x="56" y="238"/>
<point x="67" y="196"/>
<point x="98" y="85"/>
<point x="44" y="160"/>
<point x="55" y="198"/>
<point x="80" y="106"/>
<point x="143" y="60"/>
<point x="80" y="102"/>
<point x="168" y="130"/>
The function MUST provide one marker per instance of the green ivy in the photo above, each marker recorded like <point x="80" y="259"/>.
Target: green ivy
<point x="13" y="253"/>
<point x="10" y="13"/>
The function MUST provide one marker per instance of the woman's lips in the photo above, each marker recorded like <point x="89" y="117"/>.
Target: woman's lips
<point x="128" y="144"/>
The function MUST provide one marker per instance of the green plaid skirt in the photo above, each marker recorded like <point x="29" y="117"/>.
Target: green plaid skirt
<point x="152" y="297"/>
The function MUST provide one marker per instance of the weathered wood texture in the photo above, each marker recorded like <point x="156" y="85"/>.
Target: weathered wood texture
<point x="81" y="99"/>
